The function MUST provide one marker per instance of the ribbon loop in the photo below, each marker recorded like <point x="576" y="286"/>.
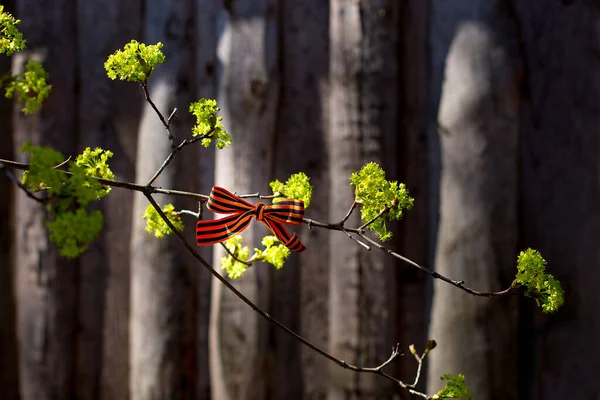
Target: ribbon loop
<point x="222" y="201"/>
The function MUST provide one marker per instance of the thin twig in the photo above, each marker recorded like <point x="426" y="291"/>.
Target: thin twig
<point x="257" y="196"/>
<point x="341" y="363"/>
<point x="121" y="184"/>
<point x="174" y="151"/>
<point x="249" y="264"/>
<point x="160" y="116"/>
<point x="63" y="163"/>
<point x="352" y="207"/>
<point x="17" y="182"/>
<point x="189" y="212"/>
<point x="433" y="274"/>
<point x="309" y="222"/>
<point x="366" y="246"/>
<point x="375" y="218"/>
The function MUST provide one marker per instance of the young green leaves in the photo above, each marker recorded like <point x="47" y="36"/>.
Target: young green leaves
<point x="455" y="388"/>
<point x="31" y="86"/>
<point x="379" y="197"/>
<point x="71" y="227"/>
<point x="157" y="226"/>
<point x="296" y="187"/>
<point x="11" y="40"/>
<point x="135" y="63"/>
<point x="208" y="124"/>
<point x="237" y="261"/>
<point x="543" y="287"/>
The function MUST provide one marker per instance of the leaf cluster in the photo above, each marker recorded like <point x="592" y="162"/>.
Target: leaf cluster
<point x="71" y="227"/>
<point x="11" y="40"/>
<point x="455" y="388"/>
<point x="377" y="195"/>
<point x="237" y="261"/>
<point x="297" y="187"/>
<point x="543" y="287"/>
<point x="31" y="86"/>
<point x="274" y="253"/>
<point x="156" y="225"/>
<point x="208" y="124"/>
<point x="135" y="63"/>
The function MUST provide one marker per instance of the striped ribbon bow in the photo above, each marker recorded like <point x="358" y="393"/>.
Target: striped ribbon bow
<point x="222" y="201"/>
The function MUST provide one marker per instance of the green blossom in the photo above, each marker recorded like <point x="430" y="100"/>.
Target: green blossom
<point x="135" y="63"/>
<point x="94" y="163"/>
<point x="31" y="86"/>
<point x="73" y="231"/>
<point x="156" y="225"/>
<point x="11" y="40"/>
<point x="209" y="124"/>
<point x="543" y="287"/>
<point x="296" y="187"/>
<point x="275" y="253"/>
<point x="71" y="227"/>
<point x="455" y="388"/>
<point x="375" y="194"/>
<point x="233" y="267"/>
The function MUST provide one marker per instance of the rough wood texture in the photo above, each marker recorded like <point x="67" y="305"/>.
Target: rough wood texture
<point x="299" y="295"/>
<point x="207" y="69"/>
<point x="362" y="128"/>
<point x="248" y="94"/>
<point x="46" y="284"/>
<point x="108" y="113"/>
<point x="477" y="238"/>
<point x="249" y="90"/>
<point x="162" y="290"/>
<point x="561" y="191"/>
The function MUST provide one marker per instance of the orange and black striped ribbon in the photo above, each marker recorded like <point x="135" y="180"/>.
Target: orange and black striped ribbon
<point x="222" y="201"/>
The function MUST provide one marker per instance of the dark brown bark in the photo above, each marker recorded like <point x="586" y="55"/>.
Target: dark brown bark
<point x="46" y="283"/>
<point x="413" y="236"/>
<point x="249" y="96"/>
<point x="299" y="293"/>
<point x="9" y="366"/>
<point x="477" y="239"/>
<point x="561" y="192"/>
<point x="363" y="123"/>
<point x="162" y="320"/>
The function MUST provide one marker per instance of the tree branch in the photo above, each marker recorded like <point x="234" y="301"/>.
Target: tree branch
<point x="376" y="370"/>
<point x="339" y="226"/>
<point x="12" y="177"/>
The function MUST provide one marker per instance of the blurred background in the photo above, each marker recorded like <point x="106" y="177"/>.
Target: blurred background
<point x="489" y="110"/>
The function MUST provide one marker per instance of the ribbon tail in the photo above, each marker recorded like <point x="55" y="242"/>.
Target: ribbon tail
<point x="290" y="241"/>
<point x="218" y="230"/>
